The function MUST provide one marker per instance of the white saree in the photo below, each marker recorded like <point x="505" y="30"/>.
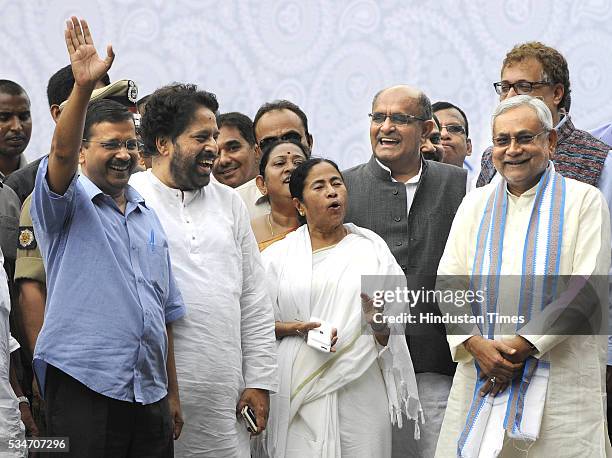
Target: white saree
<point x="343" y="403"/>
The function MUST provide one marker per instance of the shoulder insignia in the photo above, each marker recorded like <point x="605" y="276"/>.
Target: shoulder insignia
<point x="27" y="241"/>
<point x="132" y="92"/>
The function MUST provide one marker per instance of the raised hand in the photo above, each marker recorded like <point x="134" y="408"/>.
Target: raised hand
<point x="87" y="66"/>
<point x="379" y="328"/>
<point x="369" y="310"/>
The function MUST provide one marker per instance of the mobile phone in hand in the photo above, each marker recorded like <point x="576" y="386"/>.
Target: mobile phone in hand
<point x="320" y="338"/>
<point x="249" y="419"/>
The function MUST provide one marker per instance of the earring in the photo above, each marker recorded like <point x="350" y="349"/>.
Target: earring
<point x="301" y="213"/>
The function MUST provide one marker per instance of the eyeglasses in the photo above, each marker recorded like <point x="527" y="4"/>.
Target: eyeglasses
<point x="502" y="141"/>
<point x="291" y="136"/>
<point x="520" y="87"/>
<point x="454" y="129"/>
<point x="398" y="119"/>
<point x="114" y="145"/>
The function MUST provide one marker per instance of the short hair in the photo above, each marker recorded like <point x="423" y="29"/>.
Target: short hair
<point x="445" y="106"/>
<point x="553" y="63"/>
<point x="61" y="83"/>
<point x="105" y="110"/>
<point x="265" y="153"/>
<point x="142" y="102"/>
<point x="281" y="105"/>
<point x="9" y="87"/>
<point x="241" y="122"/>
<point x="170" y="110"/>
<point x="436" y="120"/>
<point x="300" y="174"/>
<point x="423" y="103"/>
<point x="537" y="105"/>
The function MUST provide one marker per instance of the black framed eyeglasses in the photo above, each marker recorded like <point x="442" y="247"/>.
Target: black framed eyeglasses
<point x="454" y="129"/>
<point x="520" y="87"/>
<point x="397" y="119"/>
<point x="113" y="145"/>
<point x="502" y="141"/>
<point x="291" y="136"/>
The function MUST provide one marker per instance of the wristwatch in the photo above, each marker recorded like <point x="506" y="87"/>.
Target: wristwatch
<point x="23" y="399"/>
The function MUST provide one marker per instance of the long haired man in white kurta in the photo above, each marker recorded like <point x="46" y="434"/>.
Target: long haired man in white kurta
<point x="534" y="220"/>
<point x="224" y="346"/>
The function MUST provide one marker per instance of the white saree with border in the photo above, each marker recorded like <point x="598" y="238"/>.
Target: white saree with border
<point x="335" y="404"/>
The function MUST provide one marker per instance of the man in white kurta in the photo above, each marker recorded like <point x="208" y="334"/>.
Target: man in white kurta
<point x="573" y="420"/>
<point x="225" y="344"/>
<point x="11" y="428"/>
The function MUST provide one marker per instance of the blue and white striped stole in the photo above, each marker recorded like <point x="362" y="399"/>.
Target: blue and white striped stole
<point x="540" y="269"/>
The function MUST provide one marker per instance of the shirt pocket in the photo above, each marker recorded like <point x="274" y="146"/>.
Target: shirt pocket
<point x="157" y="262"/>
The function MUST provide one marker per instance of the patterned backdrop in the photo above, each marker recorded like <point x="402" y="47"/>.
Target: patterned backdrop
<point x="329" y="57"/>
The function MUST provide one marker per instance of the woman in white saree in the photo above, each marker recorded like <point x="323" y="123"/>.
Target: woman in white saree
<point x="341" y="403"/>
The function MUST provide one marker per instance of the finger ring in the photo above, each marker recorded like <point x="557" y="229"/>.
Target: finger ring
<point x="492" y="380"/>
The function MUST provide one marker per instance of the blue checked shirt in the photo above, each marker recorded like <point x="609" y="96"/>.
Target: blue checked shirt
<point x="111" y="290"/>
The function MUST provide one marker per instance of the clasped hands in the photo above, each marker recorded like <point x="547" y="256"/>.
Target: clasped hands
<point x="500" y="361"/>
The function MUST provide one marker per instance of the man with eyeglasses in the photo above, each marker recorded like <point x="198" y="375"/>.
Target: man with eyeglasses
<point x="535" y="383"/>
<point x="410" y="203"/>
<point x="541" y="71"/>
<point x="455" y="134"/>
<point x="30" y="277"/>
<point x="104" y="358"/>
<point x="29" y="274"/>
<point x="432" y="149"/>
<point x="277" y="120"/>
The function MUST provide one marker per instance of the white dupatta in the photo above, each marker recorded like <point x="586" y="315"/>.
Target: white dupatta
<point x="289" y="276"/>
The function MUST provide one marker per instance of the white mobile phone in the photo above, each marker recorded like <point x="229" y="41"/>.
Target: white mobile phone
<point x="249" y="418"/>
<point x="320" y="338"/>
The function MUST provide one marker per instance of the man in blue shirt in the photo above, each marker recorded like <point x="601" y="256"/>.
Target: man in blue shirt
<point x="104" y="358"/>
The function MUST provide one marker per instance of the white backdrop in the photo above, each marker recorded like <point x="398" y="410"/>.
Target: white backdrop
<point x="329" y="57"/>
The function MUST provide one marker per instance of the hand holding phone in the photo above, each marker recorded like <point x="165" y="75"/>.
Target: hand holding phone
<point x="323" y="337"/>
<point x="249" y="419"/>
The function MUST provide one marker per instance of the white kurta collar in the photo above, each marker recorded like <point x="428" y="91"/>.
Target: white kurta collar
<point x="185" y="197"/>
<point x="415" y="179"/>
